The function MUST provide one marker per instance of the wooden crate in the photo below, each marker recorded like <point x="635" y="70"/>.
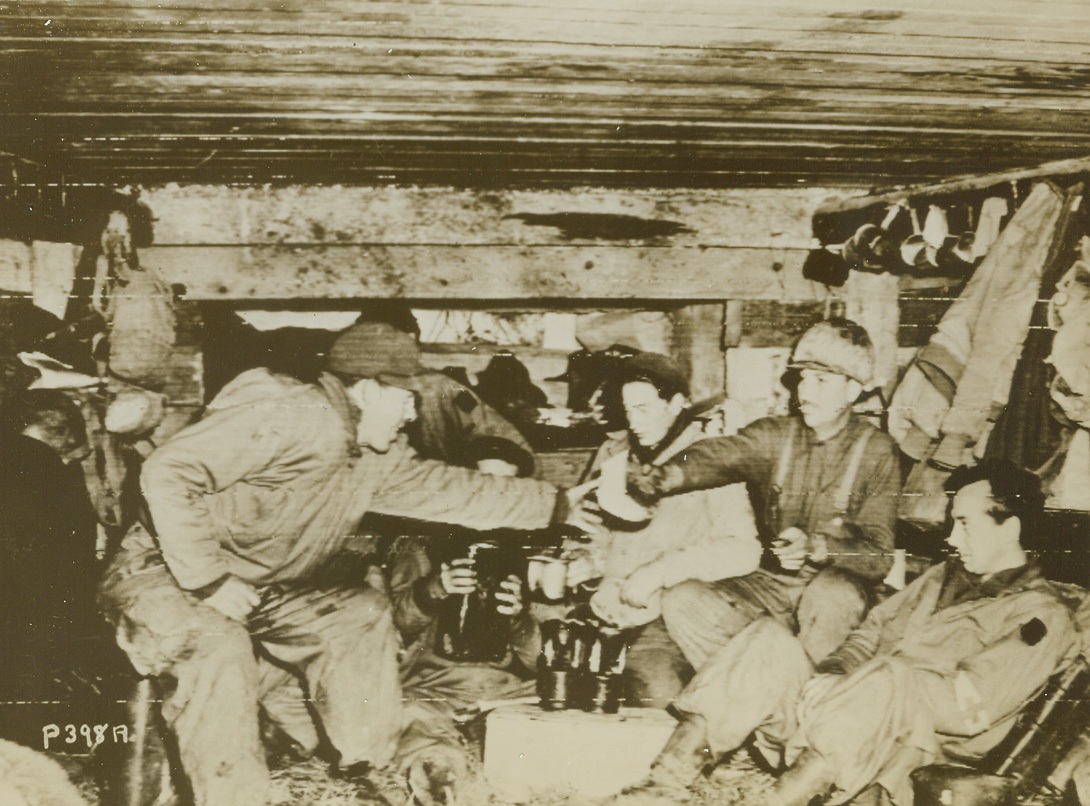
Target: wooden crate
<point x="531" y="753"/>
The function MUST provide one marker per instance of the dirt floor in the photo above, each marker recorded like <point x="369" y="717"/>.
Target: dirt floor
<point x="736" y="780"/>
<point x="309" y="784"/>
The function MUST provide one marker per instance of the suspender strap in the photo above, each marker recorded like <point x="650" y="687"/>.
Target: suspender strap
<point x="844" y="491"/>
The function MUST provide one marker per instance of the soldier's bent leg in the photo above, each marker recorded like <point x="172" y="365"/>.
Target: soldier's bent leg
<point x="342" y="641"/>
<point x="702" y="617"/>
<point x="431" y="750"/>
<point x="656" y="669"/>
<point x="284" y="703"/>
<point x="831" y="606"/>
<point x="751" y="685"/>
<point x="208" y="674"/>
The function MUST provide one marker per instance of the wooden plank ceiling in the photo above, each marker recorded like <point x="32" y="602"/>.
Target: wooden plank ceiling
<point x="524" y="93"/>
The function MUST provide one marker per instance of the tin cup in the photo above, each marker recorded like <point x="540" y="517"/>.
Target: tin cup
<point x="535" y="570"/>
<point x="554" y="579"/>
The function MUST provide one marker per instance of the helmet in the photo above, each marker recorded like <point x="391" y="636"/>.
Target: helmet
<point x="836" y="345"/>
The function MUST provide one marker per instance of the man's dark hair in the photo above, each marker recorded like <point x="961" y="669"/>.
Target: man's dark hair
<point x="54" y="413"/>
<point x="655" y="369"/>
<point x="1015" y="491"/>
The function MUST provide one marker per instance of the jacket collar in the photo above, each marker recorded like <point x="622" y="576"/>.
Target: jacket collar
<point x="960" y="586"/>
<point x="650" y="455"/>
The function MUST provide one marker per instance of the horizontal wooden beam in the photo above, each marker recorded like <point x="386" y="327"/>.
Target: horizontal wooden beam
<point x="961" y="184"/>
<point x="207" y="215"/>
<point x="516" y="273"/>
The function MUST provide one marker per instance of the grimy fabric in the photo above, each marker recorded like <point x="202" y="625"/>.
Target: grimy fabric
<point x="961" y="380"/>
<point x="262" y="487"/>
<point x="935" y="673"/>
<point x="808" y="498"/>
<point x="822" y="603"/>
<point x="451" y="416"/>
<point x="265" y="488"/>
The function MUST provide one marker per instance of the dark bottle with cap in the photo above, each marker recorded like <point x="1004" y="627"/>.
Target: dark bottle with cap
<point x="469" y="628"/>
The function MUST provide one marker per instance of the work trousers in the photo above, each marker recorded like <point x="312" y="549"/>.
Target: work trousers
<point x="866" y="727"/>
<point x="656" y="670"/>
<point x="433" y="694"/>
<point x="822" y="607"/>
<point x="339" y="642"/>
<point x="749" y="687"/>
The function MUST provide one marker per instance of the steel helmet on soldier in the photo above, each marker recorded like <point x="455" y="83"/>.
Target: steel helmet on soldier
<point x="837" y="345"/>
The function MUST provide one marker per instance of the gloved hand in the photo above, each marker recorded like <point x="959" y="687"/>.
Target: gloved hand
<point x="645" y="483"/>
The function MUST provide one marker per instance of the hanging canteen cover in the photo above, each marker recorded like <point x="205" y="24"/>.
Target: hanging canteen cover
<point x="142" y="331"/>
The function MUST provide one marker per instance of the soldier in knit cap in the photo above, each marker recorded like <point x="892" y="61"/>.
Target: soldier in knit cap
<point x="450" y="415"/>
<point x="253" y="507"/>
<point x="825" y="484"/>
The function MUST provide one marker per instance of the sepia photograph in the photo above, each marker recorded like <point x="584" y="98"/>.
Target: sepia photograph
<point x="544" y="402"/>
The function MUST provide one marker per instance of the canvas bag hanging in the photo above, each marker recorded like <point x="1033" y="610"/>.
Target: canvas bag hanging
<point x="138" y="308"/>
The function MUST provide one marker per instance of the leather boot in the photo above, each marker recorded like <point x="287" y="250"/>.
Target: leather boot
<point x="682" y="759"/>
<point x="809" y="777"/>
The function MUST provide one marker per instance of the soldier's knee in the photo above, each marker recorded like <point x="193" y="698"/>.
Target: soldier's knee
<point x="768" y="638"/>
<point x="769" y="631"/>
<point x="684" y="600"/>
<point x="227" y="647"/>
<point x="835" y="590"/>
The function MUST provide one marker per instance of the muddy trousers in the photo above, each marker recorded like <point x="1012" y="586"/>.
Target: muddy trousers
<point x="822" y="608"/>
<point x="433" y="694"/>
<point x="872" y="727"/>
<point x="656" y="670"/>
<point x="340" y="643"/>
<point x="750" y="687"/>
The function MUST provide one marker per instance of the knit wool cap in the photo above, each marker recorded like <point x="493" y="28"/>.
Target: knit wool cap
<point x="370" y="349"/>
<point x="836" y="345"/>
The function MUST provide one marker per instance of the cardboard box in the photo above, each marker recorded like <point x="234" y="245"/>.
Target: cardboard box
<point x="530" y="752"/>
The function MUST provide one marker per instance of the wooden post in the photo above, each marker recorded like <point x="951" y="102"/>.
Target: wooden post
<point x="698" y="348"/>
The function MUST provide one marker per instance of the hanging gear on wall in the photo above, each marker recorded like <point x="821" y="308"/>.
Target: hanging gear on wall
<point x="137" y="306"/>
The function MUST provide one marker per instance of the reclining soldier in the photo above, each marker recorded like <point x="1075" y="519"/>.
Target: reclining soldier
<point x="825" y="486"/>
<point x="251" y="506"/>
<point x="937" y="672"/>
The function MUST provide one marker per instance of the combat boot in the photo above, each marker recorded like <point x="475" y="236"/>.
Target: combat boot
<point x="684" y="757"/>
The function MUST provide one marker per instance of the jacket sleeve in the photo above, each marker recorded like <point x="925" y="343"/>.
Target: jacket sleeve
<point x="198" y="462"/>
<point x="428" y="490"/>
<point x="748" y="456"/>
<point x="862" y="642"/>
<point x="997" y="682"/>
<point x="485" y="421"/>
<point x="864" y="543"/>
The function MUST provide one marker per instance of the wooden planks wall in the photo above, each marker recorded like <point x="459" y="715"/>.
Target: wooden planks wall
<point x="462" y="244"/>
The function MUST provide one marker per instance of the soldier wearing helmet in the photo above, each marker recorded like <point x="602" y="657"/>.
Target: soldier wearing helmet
<point x="825" y="484"/>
